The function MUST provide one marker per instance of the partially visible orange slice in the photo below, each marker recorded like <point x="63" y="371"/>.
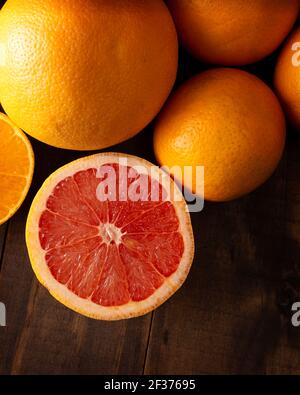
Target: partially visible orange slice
<point x="110" y="253"/>
<point x="16" y="167"/>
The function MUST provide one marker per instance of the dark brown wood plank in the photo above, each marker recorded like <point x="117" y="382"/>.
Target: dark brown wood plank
<point x="233" y="314"/>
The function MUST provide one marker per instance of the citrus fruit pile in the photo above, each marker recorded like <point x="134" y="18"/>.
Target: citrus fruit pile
<point x="89" y="74"/>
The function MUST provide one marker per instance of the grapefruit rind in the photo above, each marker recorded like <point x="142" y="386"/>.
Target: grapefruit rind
<point x="21" y="135"/>
<point x="87" y="307"/>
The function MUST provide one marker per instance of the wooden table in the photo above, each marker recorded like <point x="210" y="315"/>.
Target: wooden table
<point x="231" y="316"/>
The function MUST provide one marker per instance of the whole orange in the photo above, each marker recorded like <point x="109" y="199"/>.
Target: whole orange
<point x="85" y="74"/>
<point x="287" y="78"/>
<point x="228" y="121"/>
<point x="233" y="32"/>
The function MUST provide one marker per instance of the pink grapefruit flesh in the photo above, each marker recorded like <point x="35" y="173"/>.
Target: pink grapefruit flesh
<point x="109" y="256"/>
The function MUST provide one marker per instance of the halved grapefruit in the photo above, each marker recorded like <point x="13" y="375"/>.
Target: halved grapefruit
<point x="110" y="236"/>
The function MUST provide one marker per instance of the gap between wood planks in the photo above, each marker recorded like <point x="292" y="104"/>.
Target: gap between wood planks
<point x="148" y="342"/>
<point x="3" y="237"/>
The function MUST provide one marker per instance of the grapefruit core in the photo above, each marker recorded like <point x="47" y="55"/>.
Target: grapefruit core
<point x="103" y="255"/>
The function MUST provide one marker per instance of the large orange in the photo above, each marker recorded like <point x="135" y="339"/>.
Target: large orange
<point x="85" y="74"/>
<point x="287" y="78"/>
<point x="233" y="32"/>
<point x="228" y="121"/>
